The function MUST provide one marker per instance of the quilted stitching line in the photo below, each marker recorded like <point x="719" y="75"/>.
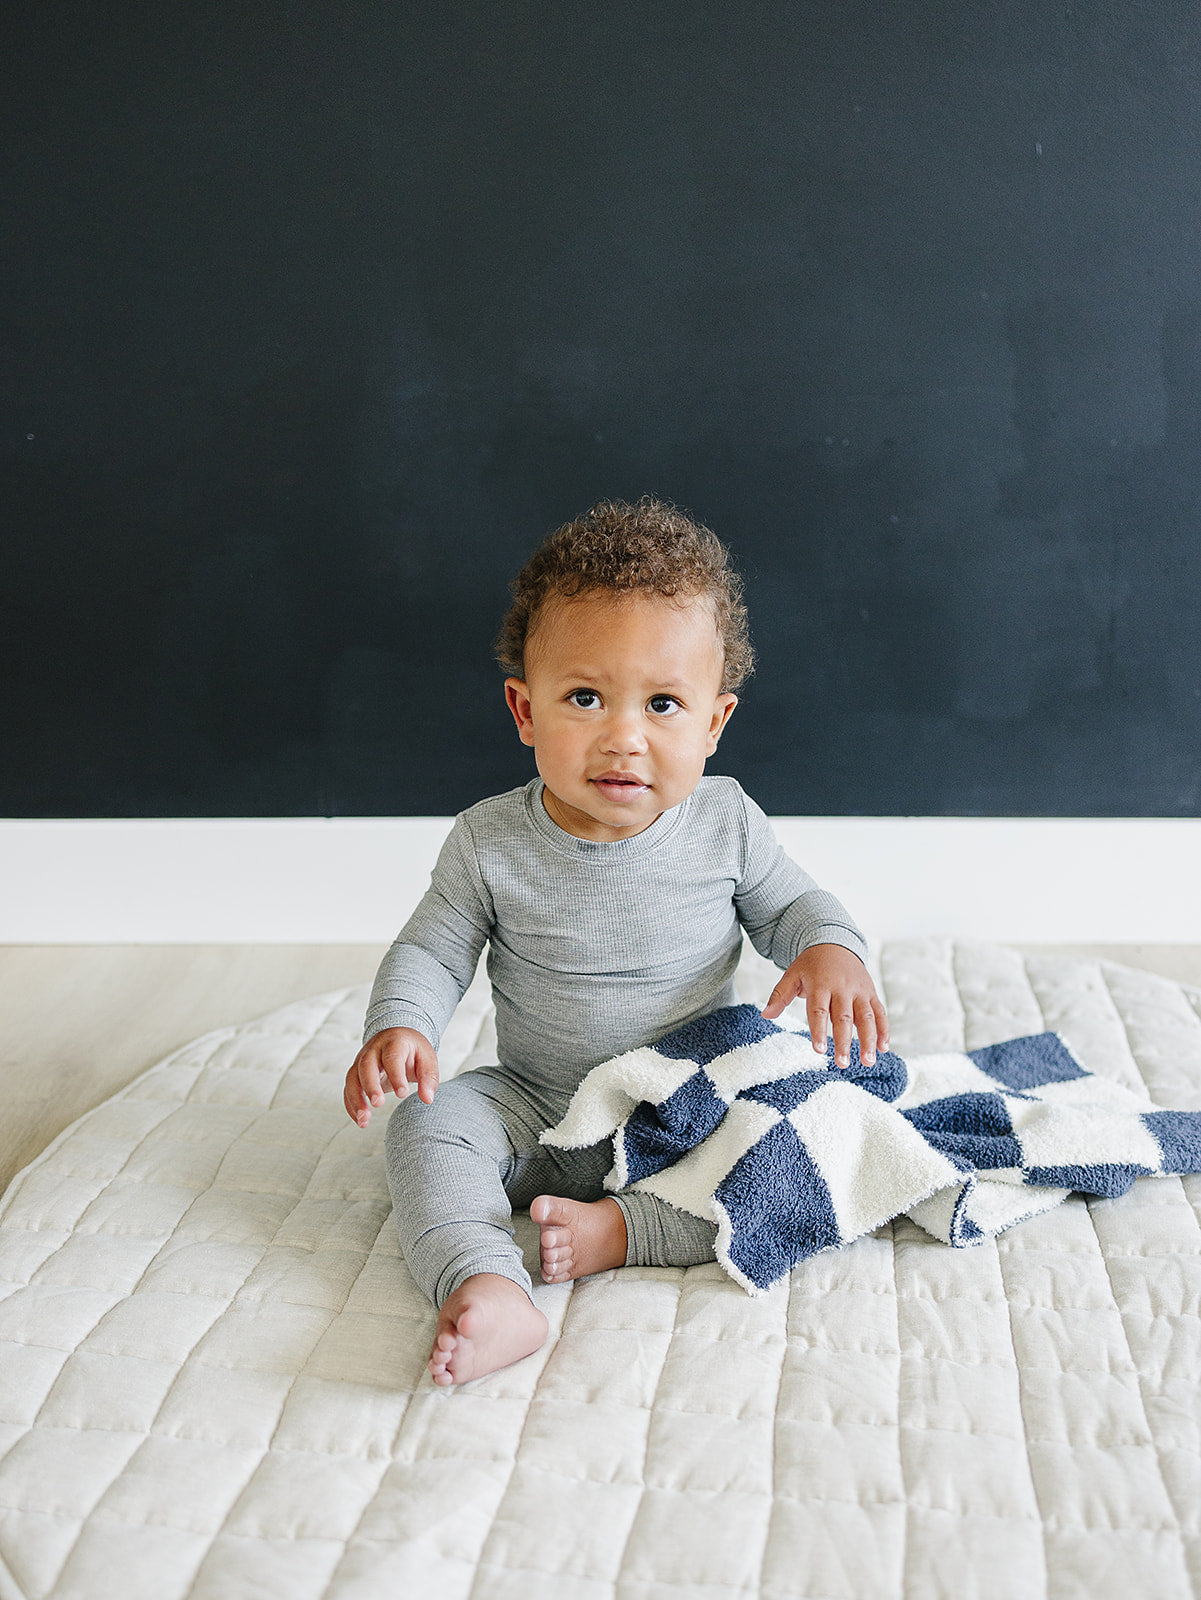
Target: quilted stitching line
<point x="1177" y="1513"/>
<point x="776" y="1497"/>
<point x="525" y="1422"/>
<point x="1142" y="1397"/>
<point x="903" y="1554"/>
<point x="1022" y="1370"/>
<point x="675" y="1322"/>
<point x="388" y="1461"/>
<point x="903" y="1573"/>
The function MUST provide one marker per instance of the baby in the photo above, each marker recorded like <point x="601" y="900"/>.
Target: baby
<point x="612" y="891"/>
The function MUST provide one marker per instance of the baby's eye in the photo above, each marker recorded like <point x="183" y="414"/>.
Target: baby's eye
<point x="663" y="705"/>
<point x="584" y="698"/>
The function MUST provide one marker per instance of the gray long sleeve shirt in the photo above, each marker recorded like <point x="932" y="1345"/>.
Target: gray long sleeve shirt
<point x="596" y="948"/>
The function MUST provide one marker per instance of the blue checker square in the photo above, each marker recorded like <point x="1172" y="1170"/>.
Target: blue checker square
<point x="972" y="1128"/>
<point x="706" y="1038"/>
<point x="1105" y="1178"/>
<point x="786" y="1093"/>
<point x="1026" y="1063"/>
<point x="658" y="1135"/>
<point x="1179" y="1135"/>
<point x="769" y="1239"/>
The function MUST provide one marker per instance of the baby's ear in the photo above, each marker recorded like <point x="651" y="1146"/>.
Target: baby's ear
<point x="518" y="697"/>
<point x="722" y="708"/>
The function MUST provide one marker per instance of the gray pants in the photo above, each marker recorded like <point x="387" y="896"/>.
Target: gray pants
<point x="459" y="1168"/>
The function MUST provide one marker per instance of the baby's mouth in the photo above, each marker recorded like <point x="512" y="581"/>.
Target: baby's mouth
<point x="620" y="785"/>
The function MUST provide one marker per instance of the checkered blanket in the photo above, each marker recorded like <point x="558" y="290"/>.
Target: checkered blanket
<point x="731" y="1118"/>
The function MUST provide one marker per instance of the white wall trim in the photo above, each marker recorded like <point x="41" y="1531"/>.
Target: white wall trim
<point x="353" y="880"/>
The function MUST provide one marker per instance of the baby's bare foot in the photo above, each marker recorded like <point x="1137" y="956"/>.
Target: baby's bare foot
<point x="579" y="1238"/>
<point x="488" y="1322"/>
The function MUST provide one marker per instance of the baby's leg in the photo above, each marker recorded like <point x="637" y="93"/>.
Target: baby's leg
<point x="626" y="1230"/>
<point x="583" y="1233"/>
<point x="446" y="1167"/>
<point x="488" y="1322"/>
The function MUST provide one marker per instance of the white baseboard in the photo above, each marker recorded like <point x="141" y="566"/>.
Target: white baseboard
<point x="354" y="880"/>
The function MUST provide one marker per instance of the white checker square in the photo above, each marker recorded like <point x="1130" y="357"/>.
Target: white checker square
<point x="690" y="1182"/>
<point x="937" y="1077"/>
<point x="1082" y="1136"/>
<point x="839" y="1126"/>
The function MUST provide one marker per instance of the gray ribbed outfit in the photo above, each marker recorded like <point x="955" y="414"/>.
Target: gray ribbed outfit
<point x="594" y="949"/>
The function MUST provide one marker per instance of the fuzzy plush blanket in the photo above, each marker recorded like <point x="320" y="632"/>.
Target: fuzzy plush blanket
<point x="733" y="1119"/>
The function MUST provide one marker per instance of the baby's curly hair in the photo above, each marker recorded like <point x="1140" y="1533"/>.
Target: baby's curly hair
<point x="618" y="548"/>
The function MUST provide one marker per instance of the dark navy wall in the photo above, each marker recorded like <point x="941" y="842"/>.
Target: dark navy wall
<point x="318" y="316"/>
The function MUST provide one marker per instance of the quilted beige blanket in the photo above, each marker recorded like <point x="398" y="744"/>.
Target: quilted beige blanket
<point x="213" y="1386"/>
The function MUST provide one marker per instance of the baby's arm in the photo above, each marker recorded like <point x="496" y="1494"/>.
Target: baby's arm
<point x="809" y="933"/>
<point x="391" y="1059"/>
<point x="421" y="980"/>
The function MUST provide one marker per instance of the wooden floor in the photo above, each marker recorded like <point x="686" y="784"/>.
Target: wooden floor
<point x="78" y="1022"/>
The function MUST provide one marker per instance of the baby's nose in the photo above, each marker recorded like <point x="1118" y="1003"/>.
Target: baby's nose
<point x="624" y="731"/>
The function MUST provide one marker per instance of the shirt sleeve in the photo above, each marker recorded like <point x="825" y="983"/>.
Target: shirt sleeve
<point x="433" y="958"/>
<point x="780" y="906"/>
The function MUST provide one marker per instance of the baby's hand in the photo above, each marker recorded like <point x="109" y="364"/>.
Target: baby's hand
<point x="391" y="1059"/>
<point x="838" y="988"/>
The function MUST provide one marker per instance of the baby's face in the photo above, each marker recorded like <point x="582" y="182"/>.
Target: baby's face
<point x="622" y="705"/>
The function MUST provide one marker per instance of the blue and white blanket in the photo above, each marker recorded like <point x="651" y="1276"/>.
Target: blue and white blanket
<point x="731" y="1118"/>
